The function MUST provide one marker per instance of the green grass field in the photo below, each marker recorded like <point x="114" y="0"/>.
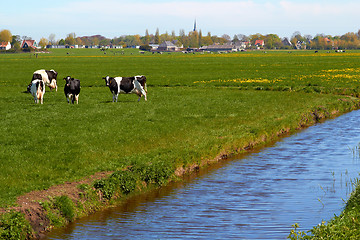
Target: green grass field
<point x="199" y="106"/>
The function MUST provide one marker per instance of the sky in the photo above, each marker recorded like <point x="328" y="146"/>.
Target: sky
<point x="114" y="18"/>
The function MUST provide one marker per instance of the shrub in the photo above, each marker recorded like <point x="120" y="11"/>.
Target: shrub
<point x="13" y="225"/>
<point x="66" y="207"/>
<point x="121" y="181"/>
<point x="124" y="180"/>
<point x="106" y="188"/>
<point x="157" y="172"/>
<point x="145" y="47"/>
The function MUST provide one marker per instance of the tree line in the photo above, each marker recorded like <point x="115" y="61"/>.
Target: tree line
<point x="196" y="39"/>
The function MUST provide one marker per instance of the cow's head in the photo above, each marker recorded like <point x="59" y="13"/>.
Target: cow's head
<point x="107" y="80"/>
<point x="67" y="80"/>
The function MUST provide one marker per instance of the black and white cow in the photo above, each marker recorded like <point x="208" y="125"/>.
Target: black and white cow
<point x="37" y="89"/>
<point x="136" y="84"/>
<point x="72" y="89"/>
<point x="48" y="76"/>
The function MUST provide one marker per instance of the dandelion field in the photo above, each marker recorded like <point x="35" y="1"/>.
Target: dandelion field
<point x="199" y="106"/>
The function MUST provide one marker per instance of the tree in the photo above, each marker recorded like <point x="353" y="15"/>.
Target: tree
<point x="52" y="38"/>
<point x="16" y="42"/>
<point x="272" y="41"/>
<point x="70" y="39"/>
<point x="183" y="39"/>
<point x="78" y="41"/>
<point x="164" y="37"/>
<point x="147" y="37"/>
<point x="351" y="40"/>
<point x="95" y="41"/>
<point x="235" y="38"/>
<point x="25" y="38"/>
<point x="157" y="36"/>
<point x="43" y="42"/>
<point x="62" y="42"/>
<point x="15" y="39"/>
<point x="193" y="39"/>
<point x="243" y="38"/>
<point x="5" y="36"/>
<point x="226" y="37"/>
<point x="206" y="41"/>
<point x="137" y="41"/>
<point x="173" y="35"/>
<point x="200" y="38"/>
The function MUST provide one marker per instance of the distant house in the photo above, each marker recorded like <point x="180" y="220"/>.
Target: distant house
<point x="168" y="46"/>
<point x="154" y="47"/>
<point x="259" y="43"/>
<point x="29" y="44"/>
<point x="300" y="45"/>
<point x="241" y="45"/>
<point x="327" y="40"/>
<point x="5" y="45"/>
<point x="286" y="42"/>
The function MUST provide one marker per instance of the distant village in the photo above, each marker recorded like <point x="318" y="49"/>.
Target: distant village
<point x="194" y="41"/>
<point x="173" y="46"/>
<point x="165" y="46"/>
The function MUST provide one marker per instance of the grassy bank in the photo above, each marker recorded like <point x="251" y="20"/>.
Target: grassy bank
<point x="344" y="226"/>
<point x="200" y="107"/>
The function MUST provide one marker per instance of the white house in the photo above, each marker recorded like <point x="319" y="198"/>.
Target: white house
<point x="5" y="45"/>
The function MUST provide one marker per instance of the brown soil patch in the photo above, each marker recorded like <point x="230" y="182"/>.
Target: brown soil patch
<point x="29" y="204"/>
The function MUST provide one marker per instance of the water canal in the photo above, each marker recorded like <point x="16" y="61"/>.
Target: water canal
<point x="304" y="178"/>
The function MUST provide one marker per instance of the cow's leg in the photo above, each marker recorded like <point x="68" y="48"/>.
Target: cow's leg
<point x="77" y="99"/>
<point x="41" y="100"/>
<point x="67" y="98"/>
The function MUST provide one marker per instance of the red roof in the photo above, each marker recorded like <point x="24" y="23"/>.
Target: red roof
<point x="29" y="43"/>
<point x="259" y="42"/>
<point x="3" y="44"/>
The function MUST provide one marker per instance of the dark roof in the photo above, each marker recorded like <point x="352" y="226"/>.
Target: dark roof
<point x="216" y="47"/>
<point x="167" y="44"/>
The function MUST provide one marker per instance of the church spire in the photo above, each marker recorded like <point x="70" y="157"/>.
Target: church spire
<point x="195" y="25"/>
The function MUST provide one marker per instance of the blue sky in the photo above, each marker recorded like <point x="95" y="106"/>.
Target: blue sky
<point x="113" y="18"/>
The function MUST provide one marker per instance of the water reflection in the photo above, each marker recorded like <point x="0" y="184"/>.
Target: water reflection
<point x="303" y="178"/>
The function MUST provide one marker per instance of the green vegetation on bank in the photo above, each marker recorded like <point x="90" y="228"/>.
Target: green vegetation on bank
<point x="344" y="226"/>
<point x="199" y="106"/>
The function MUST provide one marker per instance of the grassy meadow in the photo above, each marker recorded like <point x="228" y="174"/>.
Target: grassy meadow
<point x="199" y="106"/>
